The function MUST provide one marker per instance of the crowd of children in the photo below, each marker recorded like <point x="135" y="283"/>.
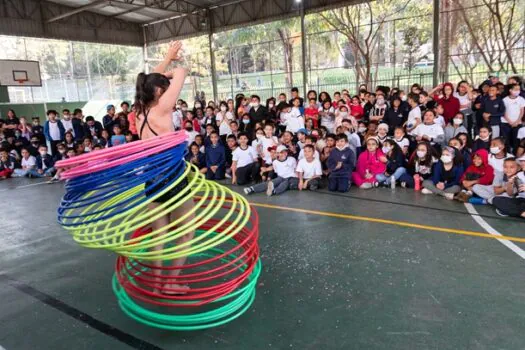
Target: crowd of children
<point x="454" y="141"/>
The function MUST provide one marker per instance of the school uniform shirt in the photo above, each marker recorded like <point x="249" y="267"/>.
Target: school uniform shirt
<point x="346" y="156"/>
<point x="328" y="121"/>
<point x="497" y="163"/>
<point x="451" y="131"/>
<point x="301" y="155"/>
<point x="224" y="127"/>
<point x="45" y="162"/>
<point x="294" y="123"/>
<point x="244" y="157"/>
<point x="215" y="155"/>
<point x="521" y="178"/>
<point x="28" y="163"/>
<point x="394" y="117"/>
<point x="496" y="108"/>
<point x="463" y="101"/>
<point x="440" y="121"/>
<point x="521" y="133"/>
<point x="68" y="125"/>
<point x="415" y="113"/>
<point x="286" y="168"/>
<point x="191" y="135"/>
<point x="268" y="142"/>
<point x="513" y="107"/>
<point x="309" y="169"/>
<point x="402" y="143"/>
<point x="434" y="131"/>
<point x="176" y="118"/>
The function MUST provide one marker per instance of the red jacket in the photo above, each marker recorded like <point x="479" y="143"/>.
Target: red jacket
<point x="357" y="111"/>
<point x="450" y="105"/>
<point x="485" y="170"/>
<point x="312" y="113"/>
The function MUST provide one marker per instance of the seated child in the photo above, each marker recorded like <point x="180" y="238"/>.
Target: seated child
<point x="215" y="158"/>
<point x="479" y="173"/>
<point x="197" y="158"/>
<point x="44" y="164"/>
<point x="486" y="193"/>
<point x="340" y="164"/>
<point x="446" y="175"/>
<point x="284" y="166"/>
<point x="514" y="205"/>
<point x="28" y="162"/>
<point x="245" y="163"/>
<point x="371" y="162"/>
<point x="309" y="170"/>
<point x="420" y="165"/>
<point x="394" y="165"/>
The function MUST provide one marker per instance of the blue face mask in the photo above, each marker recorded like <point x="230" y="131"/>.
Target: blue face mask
<point x="246" y="121"/>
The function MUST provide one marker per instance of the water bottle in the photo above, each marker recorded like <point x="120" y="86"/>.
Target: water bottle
<point x="417" y="182"/>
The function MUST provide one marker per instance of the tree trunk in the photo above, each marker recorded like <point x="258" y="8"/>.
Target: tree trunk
<point x="288" y="56"/>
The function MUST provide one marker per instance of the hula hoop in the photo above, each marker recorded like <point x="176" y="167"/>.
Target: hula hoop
<point x="112" y="201"/>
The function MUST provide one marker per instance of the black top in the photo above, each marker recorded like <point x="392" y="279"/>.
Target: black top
<point x="146" y="123"/>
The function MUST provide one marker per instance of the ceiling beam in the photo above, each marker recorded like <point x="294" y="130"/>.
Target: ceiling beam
<point x="94" y="4"/>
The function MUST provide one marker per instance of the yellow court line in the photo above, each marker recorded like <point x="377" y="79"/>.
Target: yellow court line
<point x="390" y="222"/>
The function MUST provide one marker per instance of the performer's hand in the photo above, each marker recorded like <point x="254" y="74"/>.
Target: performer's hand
<point x="174" y="51"/>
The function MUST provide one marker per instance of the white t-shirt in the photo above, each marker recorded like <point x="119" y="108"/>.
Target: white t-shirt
<point x="463" y="100"/>
<point x="402" y="143"/>
<point x="54" y="131"/>
<point x="513" y="107"/>
<point x="68" y="125"/>
<point x="224" y="127"/>
<point x="28" y="163"/>
<point x="521" y="133"/>
<point x="286" y="168"/>
<point x="267" y="143"/>
<point x="311" y="169"/>
<point x="415" y="113"/>
<point x="521" y="177"/>
<point x="496" y="163"/>
<point x="440" y="121"/>
<point x="328" y="121"/>
<point x="301" y="155"/>
<point x="191" y="136"/>
<point x="354" y="139"/>
<point x="293" y="124"/>
<point x="243" y="157"/>
<point x="432" y="131"/>
<point x="176" y="118"/>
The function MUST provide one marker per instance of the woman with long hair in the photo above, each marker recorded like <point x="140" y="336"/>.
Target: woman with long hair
<point x="155" y="96"/>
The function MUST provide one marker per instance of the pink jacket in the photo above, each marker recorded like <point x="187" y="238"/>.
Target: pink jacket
<point x="371" y="162"/>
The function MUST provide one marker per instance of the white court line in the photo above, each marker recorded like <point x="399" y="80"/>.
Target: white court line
<point x="491" y="230"/>
<point x="17" y="187"/>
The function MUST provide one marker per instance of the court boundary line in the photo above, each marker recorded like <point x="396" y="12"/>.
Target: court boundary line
<point x="491" y="230"/>
<point x="390" y="222"/>
<point x="78" y="315"/>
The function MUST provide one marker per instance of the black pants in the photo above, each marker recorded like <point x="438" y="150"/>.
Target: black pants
<point x="54" y="149"/>
<point x="510" y="206"/>
<point x="313" y="185"/>
<point x="218" y="175"/>
<point x="248" y="173"/>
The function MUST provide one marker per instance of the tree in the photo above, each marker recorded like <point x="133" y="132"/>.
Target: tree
<point x="413" y="39"/>
<point x="362" y="26"/>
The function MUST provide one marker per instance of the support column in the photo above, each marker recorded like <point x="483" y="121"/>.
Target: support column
<point x="145" y="51"/>
<point x="435" y="41"/>
<point x="303" y="45"/>
<point x="212" y="57"/>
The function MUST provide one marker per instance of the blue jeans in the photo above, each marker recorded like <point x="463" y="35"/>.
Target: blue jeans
<point x="382" y="178"/>
<point x="47" y="172"/>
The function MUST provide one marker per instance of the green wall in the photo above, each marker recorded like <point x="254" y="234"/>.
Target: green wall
<point x="38" y="109"/>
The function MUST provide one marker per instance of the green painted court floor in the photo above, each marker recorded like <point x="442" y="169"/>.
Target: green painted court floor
<point x="328" y="282"/>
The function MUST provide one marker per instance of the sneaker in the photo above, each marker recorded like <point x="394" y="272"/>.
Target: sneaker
<point x="404" y="184"/>
<point x="500" y="213"/>
<point x="426" y="191"/>
<point x="248" y="190"/>
<point x="376" y="184"/>
<point x="53" y="180"/>
<point x="393" y="182"/>
<point x="477" y="201"/>
<point x="449" y="196"/>
<point x="366" y="186"/>
<point x="269" y="189"/>
<point x="228" y="176"/>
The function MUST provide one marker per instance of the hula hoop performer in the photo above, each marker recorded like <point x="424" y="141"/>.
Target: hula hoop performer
<point x="155" y="97"/>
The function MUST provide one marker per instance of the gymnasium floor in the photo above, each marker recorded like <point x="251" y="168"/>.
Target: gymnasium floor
<point x="362" y="270"/>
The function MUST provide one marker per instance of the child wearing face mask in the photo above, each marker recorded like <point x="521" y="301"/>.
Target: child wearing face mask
<point x="446" y="175"/>
<point x="498" y="154"/>
<point x="327" y="116"/>
<point x="370" y="163"/>
<point x="515" y="190"/>
<point x="37" y="129"/>
<point x="479" y="173"/>
<point x="483" y="140"/>
<point x="486" y="193"/>
<point x="44" y="164"/>
<point x="394" y="165"/>
<point x="420" y="165"/>
<point x="455" y="127"/>
<point x="382" y="133"/>
<point x="401" y="140"/>
<point x="377" y="113"/>
<point x="340" y="164"/>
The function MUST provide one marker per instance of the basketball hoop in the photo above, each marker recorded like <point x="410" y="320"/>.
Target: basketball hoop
<point x="21" y="81"/>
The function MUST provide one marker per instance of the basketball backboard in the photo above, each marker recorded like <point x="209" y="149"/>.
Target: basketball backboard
<point x="20" y="73"/>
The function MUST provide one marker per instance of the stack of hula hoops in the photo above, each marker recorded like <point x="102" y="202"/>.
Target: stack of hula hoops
<point x="110" y="203"/>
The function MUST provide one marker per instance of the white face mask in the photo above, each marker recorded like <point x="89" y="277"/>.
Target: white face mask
<point x="259" y="136"/>
<point x="386" y="150"/>
<point x="380" y="101"/>
<point x="515" y="93"/>
<point x="43" y="153"/>
<point x="458" y="121"/>
<point x="254" y="104"/>
<point x="198" y="105"/>
<point x="494" y="150"/>
<point x="178" y="107"/>
<point x="446" y="159"/>
<point x="224" y="108"/>
<point x="361" y="130"/>
<point x="87" y="149"/>
<point x="421" y="154"/>
<point x="403" y="98"/>
<point x="184" y="109"/>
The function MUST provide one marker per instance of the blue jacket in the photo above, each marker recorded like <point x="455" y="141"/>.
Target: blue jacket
<point x="438" y="174"/>
<point x="345" y="156"/>
<point x="48" y="161"/>
<point x="215" y="156"/>
<point x="60" y="127"/>
<point x="496" y="108"/>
